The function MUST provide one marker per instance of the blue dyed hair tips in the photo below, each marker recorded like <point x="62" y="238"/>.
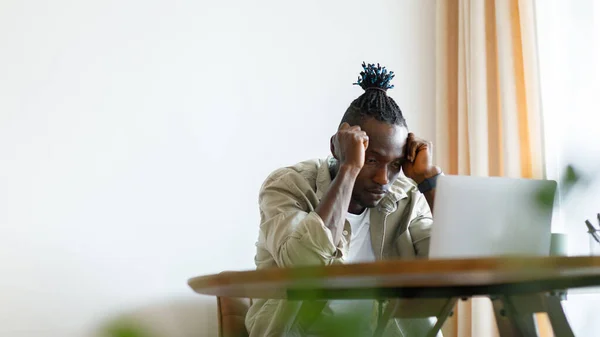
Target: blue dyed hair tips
<point x="375" y="77"/>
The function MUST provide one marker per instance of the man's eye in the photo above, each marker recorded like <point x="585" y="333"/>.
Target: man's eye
<point x="371" y="161"/>
<point x="397" y="165"/>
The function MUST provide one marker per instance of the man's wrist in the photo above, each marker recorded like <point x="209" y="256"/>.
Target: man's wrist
<point x="429" y="184"/>
<point x="352" y="171"/>
<point x="431" y="172"/>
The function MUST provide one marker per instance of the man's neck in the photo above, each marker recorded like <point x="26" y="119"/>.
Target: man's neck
<point x="333" y="168"/>
<point x="355" y="208"/>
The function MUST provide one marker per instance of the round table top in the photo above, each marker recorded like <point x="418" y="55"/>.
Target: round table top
<point x="407" y="278"/>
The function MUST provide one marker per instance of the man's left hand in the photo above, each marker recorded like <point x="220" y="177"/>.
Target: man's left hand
<point x="418" y="161"/>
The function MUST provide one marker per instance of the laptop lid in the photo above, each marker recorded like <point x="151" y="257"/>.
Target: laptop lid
<point x="490" y="216"/>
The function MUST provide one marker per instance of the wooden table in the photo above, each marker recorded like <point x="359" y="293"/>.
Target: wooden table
<point x="518" y="286"/>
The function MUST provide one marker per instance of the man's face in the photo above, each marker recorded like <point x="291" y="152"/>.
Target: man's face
<point x="383" y="163"/>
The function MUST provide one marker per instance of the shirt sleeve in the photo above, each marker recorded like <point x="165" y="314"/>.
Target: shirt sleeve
<point x="294" y="234"/>
<point x="420" y="227"/>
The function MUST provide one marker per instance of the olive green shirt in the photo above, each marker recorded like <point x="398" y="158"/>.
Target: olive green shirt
<point x="292" y="234"/>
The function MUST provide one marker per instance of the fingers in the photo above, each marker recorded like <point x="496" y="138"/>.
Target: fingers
<point x="422" y="153"/>
<point x="360" y="135"/>
<point x="415" y="145"/>
<point x="349" y="145"/>
<point x="365" y="140"/>
<point x="346" y="126"/>
<point x="414" y="150"/>
<point x="350" y="132"/>
<point x="410" y="147"/>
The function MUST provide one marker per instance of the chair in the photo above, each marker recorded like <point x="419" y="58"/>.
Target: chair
<point x="231" y="315"/>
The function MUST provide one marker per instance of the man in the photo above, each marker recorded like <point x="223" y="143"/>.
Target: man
<point x="355" y="206"/>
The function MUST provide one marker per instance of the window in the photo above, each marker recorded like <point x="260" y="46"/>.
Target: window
<point x="568" y="47"/>
<point x="569" y="65"/>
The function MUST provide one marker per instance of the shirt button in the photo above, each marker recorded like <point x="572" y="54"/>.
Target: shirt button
<point x="345" y="232"/>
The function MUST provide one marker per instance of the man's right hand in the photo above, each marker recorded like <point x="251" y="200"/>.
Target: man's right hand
<point x="349" y="145"/>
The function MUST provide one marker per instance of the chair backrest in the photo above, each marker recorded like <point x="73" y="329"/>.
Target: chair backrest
<point x="232" y="314"/>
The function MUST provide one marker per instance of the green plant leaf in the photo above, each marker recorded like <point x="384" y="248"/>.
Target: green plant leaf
<point x="125" y="328"/>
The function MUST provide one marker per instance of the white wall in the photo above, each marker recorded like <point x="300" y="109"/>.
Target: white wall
<point x="134" y="136"/>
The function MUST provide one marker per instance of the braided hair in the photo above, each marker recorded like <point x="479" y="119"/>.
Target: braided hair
<point x="374" y="102"/>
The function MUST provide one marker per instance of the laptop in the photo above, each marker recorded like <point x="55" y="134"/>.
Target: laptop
<point x="490" y="217"/>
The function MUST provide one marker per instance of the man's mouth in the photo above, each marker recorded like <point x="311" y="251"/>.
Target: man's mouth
<point x="377" y="191"/>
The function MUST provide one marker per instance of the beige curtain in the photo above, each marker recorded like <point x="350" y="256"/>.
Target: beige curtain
<point x="487" y="109"/>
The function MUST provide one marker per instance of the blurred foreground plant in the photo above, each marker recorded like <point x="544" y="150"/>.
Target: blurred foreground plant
<point x="571" y="178"/>
<point x="125" y="328"/>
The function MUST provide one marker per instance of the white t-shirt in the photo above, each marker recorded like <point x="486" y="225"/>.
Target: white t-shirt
<point x="359" y="250"/>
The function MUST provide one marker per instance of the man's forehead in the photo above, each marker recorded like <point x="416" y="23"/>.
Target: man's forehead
<point x="394" y="134"/>
<point x="386" y="151"/>
<point x="388" y="145"/>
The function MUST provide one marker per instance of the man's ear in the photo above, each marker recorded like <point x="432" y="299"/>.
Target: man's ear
<point x="332" y="147"/>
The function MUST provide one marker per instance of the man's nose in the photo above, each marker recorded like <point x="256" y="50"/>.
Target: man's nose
<point x="381" y="176"/>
